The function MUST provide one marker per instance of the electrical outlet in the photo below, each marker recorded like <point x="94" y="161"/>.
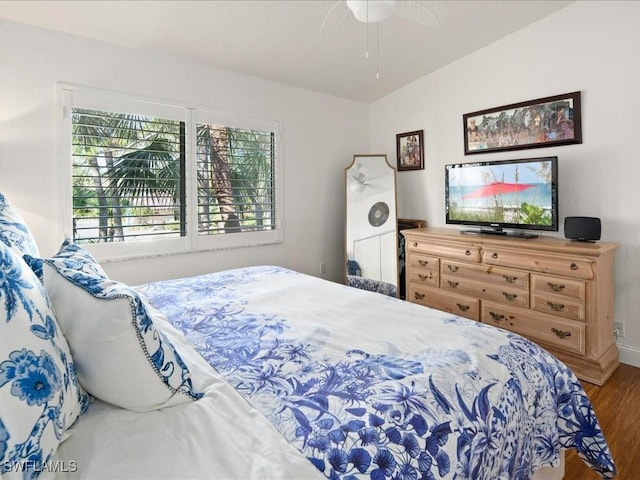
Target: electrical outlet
<point x="323" y="268"/>
<point x="618" y="328"/>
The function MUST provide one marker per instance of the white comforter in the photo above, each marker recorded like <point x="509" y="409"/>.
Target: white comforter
<point x="357" y="384"/>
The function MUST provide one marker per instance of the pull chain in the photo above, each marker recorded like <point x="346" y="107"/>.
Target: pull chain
<point x="366" y="53"/>
<point x="378" y="51"/>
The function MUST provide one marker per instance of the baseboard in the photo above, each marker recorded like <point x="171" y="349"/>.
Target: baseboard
<point x="629" y="355"/>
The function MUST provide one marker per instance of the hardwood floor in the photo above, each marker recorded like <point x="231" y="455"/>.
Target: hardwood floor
<point x="617" y="406"/>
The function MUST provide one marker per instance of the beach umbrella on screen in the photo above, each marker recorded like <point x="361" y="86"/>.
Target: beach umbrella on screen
<point x="498" y="188"/>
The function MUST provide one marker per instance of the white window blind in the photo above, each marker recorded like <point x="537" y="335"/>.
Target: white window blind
<point x="147" y="178"/>
<point x="128" y="177"/>
<point x="235" y="180"/>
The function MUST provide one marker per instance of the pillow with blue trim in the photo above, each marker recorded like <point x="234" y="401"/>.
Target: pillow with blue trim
<point x="14" y="232"/>
<point x="40" y="396"/>
<point x="121" y="355"/>
<point x="70" y="255"/>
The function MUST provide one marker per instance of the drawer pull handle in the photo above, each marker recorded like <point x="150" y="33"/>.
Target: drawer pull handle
<point x="415" y="244"/>
<point x="467" y="253"/>
<point x="419" y="296"/>
<point x="573" y="266"/>
<point x="463" y="308"/>
<point x="556" y="287"/>
<point x="425" y="277"/>
<point x="560" y="333"/>
<point x="494" y="255"/>
<point x="423" y="263"/>
<point x="510" y="296"/>
<point x="556" y="307"/>
<point x="497" y="317"/>
<point x="452" y="284"/>
<point x="510" y="278"/>
<point x="452" y="268"/>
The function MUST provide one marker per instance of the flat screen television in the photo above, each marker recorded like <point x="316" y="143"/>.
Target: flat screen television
<point x="499" y="196"/>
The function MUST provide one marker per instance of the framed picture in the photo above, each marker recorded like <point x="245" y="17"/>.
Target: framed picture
<point x="543" y="122"/>
<point x="410" y="150"/>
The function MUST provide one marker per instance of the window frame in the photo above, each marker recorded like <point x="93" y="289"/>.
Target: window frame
<point x="73" y="96"/>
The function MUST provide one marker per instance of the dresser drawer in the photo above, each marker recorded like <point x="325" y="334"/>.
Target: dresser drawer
<point x="486" y="273"/>
<point x="423" y="262"/>
<point x="426" y="277"/>
<point x="565" y="287"/>
<point x="561" y="265"/>
<point x="553" y="331"/>
<point x="470" y="253"/>
<point x="558" y="305"/>
<point x="501" y="293"/>
<point x="446" y="301"/>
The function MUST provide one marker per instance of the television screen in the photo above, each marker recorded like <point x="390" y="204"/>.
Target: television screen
<point x="519" y="194"/>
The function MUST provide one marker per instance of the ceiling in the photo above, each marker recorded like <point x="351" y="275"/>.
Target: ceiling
<point x="285" y="41"/>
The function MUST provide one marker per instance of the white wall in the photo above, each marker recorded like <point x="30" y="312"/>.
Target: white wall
<point x="590" y="46"/>
<point x="320" y="135"/>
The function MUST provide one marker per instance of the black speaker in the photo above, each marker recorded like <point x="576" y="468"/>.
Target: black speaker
<point x="584" y="229"/>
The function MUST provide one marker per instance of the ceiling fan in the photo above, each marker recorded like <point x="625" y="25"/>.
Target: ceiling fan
<point x="359" y="181"/>
<point x="374" y="11"/>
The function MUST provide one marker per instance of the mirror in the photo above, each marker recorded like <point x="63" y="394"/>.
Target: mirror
<point x="371" y="250"/>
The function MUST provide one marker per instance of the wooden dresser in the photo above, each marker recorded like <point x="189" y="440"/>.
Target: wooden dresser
<point x="555" y="292"/>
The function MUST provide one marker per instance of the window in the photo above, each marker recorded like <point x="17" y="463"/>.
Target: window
<point x="235" y="180"/>
<point x="148" y="178"/>
<point x="128" y="177"/>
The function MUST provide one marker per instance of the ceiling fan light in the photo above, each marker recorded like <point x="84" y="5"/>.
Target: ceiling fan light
<point x="373" y="11"/>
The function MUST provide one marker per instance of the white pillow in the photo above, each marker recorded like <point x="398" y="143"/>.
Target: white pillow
<point x="121" y="356"/>
<point x="39" y="392"/>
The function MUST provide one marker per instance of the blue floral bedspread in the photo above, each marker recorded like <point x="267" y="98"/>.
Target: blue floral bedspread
<point x="368" y="386"/>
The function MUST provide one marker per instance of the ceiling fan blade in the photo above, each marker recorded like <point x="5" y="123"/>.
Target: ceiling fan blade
<point x="417" y="12"/>
<point x="335" y="16"/>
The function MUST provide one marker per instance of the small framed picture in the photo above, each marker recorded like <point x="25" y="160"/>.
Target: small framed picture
<point x="410" y="150"/>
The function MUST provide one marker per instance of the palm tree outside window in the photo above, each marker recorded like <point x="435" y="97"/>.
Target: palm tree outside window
<point x="129" y="178"/>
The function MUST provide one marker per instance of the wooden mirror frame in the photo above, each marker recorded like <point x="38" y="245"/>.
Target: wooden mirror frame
<point x="371" y="224"/>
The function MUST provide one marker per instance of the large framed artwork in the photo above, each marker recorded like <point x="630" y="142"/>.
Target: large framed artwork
<point x="410" y="150"/>
<point x="543" y="122"/>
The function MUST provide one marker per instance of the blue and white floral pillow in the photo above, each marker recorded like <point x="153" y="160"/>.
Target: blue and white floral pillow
<point x="72" y="257"/>
<point x="39" y="392"/>
<point x="121" y="355"/>
<point x="14" y="232"/>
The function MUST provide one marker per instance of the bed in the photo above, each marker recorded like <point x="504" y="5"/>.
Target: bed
<point x="264" y="372"/>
